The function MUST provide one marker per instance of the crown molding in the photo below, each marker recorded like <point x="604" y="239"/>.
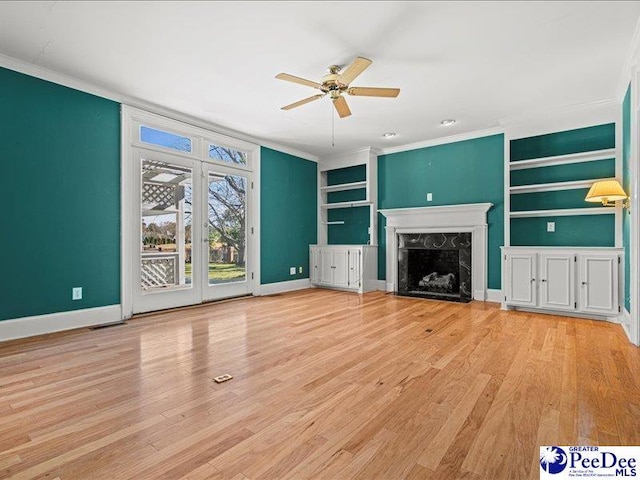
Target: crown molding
<point x="101" y="91"/>
<point x="632" y="59"/>
<point x="443" y="140"/>
<point x="562" y="118"/>
<point x="359" y="156"/>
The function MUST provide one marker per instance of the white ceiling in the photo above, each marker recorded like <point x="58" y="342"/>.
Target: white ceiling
<point x="477" y="62"/>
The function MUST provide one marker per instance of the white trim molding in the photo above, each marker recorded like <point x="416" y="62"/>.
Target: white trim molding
<point x="461" y="137"/>
<point x="494" y="295"/>
<point x="634" y="166"/>
<point x="632" y="59"/>
<point x="100" y="91"/>
<point x="625" y="320"/>
<point x="449" y="218"/>
<point x="282" y="287"/>
<point x="58" y="322"/>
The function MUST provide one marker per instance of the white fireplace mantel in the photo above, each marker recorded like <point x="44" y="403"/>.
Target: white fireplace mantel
<point x="470" y="217"/>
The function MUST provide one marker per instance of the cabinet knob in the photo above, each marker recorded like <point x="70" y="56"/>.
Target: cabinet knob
<point x="584" y="283"/>
<point x="543" y="280"/>
<point x="533" y="280"/>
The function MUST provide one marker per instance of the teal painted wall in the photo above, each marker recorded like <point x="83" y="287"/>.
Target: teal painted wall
<point x="550" y="200"/>
<point x="354" y="231"/>
<point x="60" y="154"/>
<point x="288" y="215"/>
<point x="570" y="231"/>
<point x="565" y="173"/>
<point x="575" y="230"/>
<point x="598" y="137"/>
<point x="463" y="172"/>
<point x="357" y="173"/>
<point x="626" y="183"/>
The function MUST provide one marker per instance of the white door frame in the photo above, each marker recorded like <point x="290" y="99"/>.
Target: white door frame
<point x="131" y="119"/>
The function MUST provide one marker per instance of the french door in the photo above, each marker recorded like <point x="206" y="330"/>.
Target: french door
<point x="225" y="271"/>
<point x="193" y="243"/>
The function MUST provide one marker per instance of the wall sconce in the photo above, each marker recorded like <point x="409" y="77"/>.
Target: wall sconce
<point x="608" y="191"/>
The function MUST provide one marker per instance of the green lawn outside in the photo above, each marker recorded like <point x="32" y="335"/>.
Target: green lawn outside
<point x="222" y="272"/>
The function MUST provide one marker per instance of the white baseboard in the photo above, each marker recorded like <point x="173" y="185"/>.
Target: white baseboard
<point x="390" y="287"/>
<point x="494" y="295"/>
<point x="379" y="285"/>
<point x="57" y="322"/>
<point x="625" y="320"/>
<point x="281" y="287"/>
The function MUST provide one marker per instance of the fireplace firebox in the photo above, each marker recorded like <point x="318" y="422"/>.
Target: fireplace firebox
<point x="435" y="265"/>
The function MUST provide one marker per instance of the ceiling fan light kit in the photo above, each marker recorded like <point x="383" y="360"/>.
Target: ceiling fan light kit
<point x="335" y="83"/>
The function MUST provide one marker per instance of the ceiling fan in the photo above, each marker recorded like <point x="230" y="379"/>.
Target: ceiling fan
<point x="335" y="83"/>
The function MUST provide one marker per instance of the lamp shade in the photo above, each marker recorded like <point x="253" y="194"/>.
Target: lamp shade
<point x="605" y="191"/>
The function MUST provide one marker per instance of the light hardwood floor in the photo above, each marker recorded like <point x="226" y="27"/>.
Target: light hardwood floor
<point x="326" y="385"/>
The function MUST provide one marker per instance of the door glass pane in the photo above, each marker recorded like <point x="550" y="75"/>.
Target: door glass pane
<point x="166" y="225"/>
<point x="226" y="220"/>
<point x="227" y="155"/>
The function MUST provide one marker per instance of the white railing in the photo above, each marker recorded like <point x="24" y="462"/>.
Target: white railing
<point x="159" y="270"/>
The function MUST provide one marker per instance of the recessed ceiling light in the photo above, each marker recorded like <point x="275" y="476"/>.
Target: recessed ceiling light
<point x="389" y="135"/>
<point x="447" y="122"/>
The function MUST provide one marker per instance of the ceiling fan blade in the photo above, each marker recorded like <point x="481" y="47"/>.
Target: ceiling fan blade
<point x="373" y="92"/>
<point x="352" y="71"/>
<point x="302" y="102"/>
<point x="341" y="107"/>
<point x="294" y="79"/>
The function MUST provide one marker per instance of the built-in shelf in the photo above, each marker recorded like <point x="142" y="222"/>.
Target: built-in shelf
<point x="564" y="159"/>
<point x="564" y="212"/>
<point x="337" y="222"/>
<point x="552" y="187"/>
<point x="355" y="203"/>
<point x="344" y="187"/>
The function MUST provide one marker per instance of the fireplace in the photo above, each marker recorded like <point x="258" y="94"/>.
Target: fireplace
<point x="469" y="219"/>
<point x="435" y="265"/>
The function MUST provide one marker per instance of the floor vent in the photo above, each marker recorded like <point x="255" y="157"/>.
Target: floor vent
<point x="222" y="378"/>
<point x="107" y="325"/>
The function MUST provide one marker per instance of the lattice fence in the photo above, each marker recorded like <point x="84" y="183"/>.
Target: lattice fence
<point x="159" y="272"/>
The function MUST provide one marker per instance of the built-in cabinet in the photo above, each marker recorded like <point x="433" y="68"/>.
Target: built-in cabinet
<point x="347" y="267"/>
<point x="578" y="280"/>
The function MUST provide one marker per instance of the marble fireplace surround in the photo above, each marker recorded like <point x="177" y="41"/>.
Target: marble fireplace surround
<point x="470" y="217"/>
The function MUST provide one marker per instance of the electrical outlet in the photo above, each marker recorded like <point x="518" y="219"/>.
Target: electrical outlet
<point x="76" y="293"/>
<point x="292" y="271"/>
<point x="551" y="226"/>
<point x="299" y="269"/>
<point x="429" y="197"/>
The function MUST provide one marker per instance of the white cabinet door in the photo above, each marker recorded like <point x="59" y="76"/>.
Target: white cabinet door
<point x="314" y="265"/>
<point x="598" y="283"/>
<point x="354" y="268"/>
<point x="340" y="267"/>
<point x="557" y="281"/>
<point x="326" y="266"/>
<point x="521" y="279"/>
